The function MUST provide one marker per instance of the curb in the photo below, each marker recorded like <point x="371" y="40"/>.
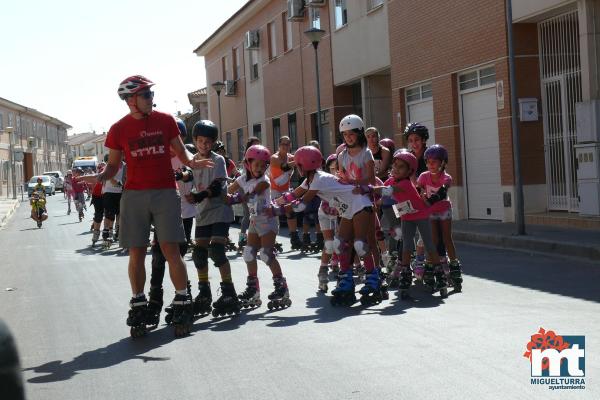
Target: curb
<point x="11" y="209"/>
<point x="589" y="252"/>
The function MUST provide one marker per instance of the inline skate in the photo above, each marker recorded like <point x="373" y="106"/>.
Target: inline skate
<point x="95" y="237"/>
<point x="228" y="303"/>
<point x="250" y="298"/>
<point x="295" y="241"/>
<point x="372" y="292"/>
<point x="169" y="309"/>
<point x="136" y="318"/>
<point x="323" y="278"/>
<point x="319" y="244"/>
<point x="202" y="302"/>
<point x="280" y="297"/>
<point x="230" y="246"/>
<point x="242" y="241"/>
<point x="279" y="247"/>
<point x="106" y="238"/>
<point x="155" y="303"/>
<point x="405" y="281"/>
<point x="455" y="275"/>
<point x="344" y="294"/>
<point x="306" y="243"/>
<point x="183" y="314"/>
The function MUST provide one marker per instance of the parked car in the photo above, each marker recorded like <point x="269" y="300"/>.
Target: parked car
<point x="47" y="182"/>
<point x="59" y="179"/>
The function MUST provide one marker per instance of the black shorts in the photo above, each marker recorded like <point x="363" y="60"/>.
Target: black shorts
<point x="112" y="202"/>
<point x="219" y="230"/>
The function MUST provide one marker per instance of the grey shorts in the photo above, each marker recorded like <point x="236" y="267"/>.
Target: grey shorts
<point x="142" y="208"/>
<point x="409" y="230"/>
<point x="263" y="225"/>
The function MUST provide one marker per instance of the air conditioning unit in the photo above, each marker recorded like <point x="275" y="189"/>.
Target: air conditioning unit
<point x="295" y="10"/>
<point x="316" y="3"/>
<point x="252" y="41"/>
<point x="229" y="87"/>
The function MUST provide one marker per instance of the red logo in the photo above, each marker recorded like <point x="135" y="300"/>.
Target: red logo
<point x="546" y="340"/>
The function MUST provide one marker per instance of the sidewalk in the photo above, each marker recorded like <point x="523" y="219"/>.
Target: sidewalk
<point x="564" y="241"/>
<point x="7" y="208"/>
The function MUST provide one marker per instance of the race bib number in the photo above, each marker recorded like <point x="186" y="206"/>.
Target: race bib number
<point x="340" y="206"/>
<point x="253" y="206"/>
<point x="403" y="208"/>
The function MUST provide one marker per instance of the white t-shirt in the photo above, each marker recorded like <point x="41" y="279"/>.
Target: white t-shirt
<point x="109" y="187"/>
<point x="257" y="203"/>
<point x="337" y="194"/>
<point x="188" y="210"/>
<point x="353" y="167"/>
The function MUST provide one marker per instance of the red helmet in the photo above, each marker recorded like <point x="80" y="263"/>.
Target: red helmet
<point x="256" y="152"/>
<point x="132" y="85"/>
<point x="340" y="148"/>
<point x="308" y="158"/>
<point x="389" y="143"/>
<point x="408" y="157"/>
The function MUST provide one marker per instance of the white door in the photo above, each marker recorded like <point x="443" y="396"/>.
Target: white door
<point x="482" y="155"/>
<point x="423" y="113"/>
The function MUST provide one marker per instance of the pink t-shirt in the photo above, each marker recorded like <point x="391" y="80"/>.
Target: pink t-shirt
<point x="408" y="193"/>
<point x="430" y="187"/>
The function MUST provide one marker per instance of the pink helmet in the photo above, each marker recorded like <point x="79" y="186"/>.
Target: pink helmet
<point x="408" y="157"/>
<point x="308" y="158"/>
<point x="340" y="148"/>
<point x="389" y="143"/>
<point x="256" y="152"/>
<point x="132" y="85"/>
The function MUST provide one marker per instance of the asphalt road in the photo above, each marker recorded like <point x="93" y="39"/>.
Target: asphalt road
<point x="68" y="303"/>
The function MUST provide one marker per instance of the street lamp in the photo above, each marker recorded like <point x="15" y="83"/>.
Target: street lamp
<point x="314" y="36"/>
<point x="219" y="86"/>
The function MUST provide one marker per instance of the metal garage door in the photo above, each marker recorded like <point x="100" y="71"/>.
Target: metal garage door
<point x="482" y="157"/>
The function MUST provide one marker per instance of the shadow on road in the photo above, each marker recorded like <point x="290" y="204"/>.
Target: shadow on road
<point x="577" y="279"/>
<point x="70" y="223"/>
<point x="124" y="350"/>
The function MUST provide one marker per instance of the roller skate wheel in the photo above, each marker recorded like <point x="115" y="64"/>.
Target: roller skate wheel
<point x="444" y="293"/>
<point x="270" y="306"/>
<point x="168" y="319"/>
<point x="215" y="313"/>
<point x="458" y="287"/>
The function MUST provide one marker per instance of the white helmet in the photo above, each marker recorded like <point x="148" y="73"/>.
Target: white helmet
<point x="350" y="122"/>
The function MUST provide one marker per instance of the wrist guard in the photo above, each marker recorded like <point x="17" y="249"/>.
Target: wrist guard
<point x="440" y="195"/>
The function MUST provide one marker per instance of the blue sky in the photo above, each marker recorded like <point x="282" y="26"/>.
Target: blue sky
<point x="66" y="58"/>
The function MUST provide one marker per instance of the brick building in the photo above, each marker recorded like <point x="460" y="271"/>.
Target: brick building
<point x="443" y="64"/>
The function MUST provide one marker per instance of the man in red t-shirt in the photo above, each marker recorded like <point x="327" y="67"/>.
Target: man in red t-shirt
<point x="144" y="137"/>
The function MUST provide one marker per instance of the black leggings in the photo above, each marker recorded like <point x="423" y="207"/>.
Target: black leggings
<point x="158" y="259"/>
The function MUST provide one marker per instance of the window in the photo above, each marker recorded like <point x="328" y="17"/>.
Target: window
<point x="236" y="63"/>
<point x="1" y="122"/>
<point x="341" y="13"/>
<point x="417" y="93"/>
<point x="224" y="68"/>
<point x="276" y="131"/>
<point x="253" y="65"/>
<point x="257" y="131"/>
<point x="374" y="4"/>
<point x="228" y="143"/>
<point x="241" y="144"/>
<point x="287" y="33"/>
<point x="315" y="17"/>
<point x="474" y="79"/>
<point x="272" y="40"/>
<point x="10" y="119"/>
<point x="293" y="130"/>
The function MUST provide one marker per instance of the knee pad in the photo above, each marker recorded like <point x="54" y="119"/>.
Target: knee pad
<point x="200" y="256"/>
<point x="216" y="252"/>
<point x="379" y="235"/>
<point x="397" y="233"/>
<point x="362" y="248"/>
<point x="249" y="254"/>
<point x="420" y="242"/>
<point x="98" y="216"/>
<point x="267" y="255"/>
<point x="340" y="246"/>
<point x="328" y="246"/>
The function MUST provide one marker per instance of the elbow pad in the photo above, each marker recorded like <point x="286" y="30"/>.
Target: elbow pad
<point x="215" y="188"/>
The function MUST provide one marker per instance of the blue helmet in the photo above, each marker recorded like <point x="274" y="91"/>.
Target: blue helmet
<point x="182" y="128"/>
<point x="436" y="152"/>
